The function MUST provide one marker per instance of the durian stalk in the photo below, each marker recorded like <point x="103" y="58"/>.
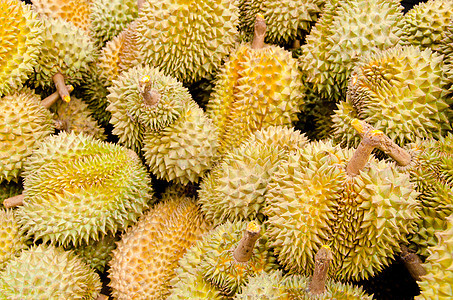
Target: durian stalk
<point x="140" y="4"/>
<point x="102" y="297"/>
<point x="14" y="201"/>
<point x="260" y="32"/>
<point x="58" y="80"/>
<point x="412" y="262"/>
<point x="389" y="147"/>
<point x="50" y="100"/>
<point x="150" y="96"/>
<point x="244" y="249"/>
<point x="317" y="283"/>
<point x="370" y="140"/>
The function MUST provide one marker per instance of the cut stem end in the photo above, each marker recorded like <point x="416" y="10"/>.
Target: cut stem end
<point x="244" y="249"/>
<point x="14" y="201"/>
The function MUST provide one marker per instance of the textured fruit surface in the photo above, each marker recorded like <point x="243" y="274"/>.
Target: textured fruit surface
<point x="77" y="187"/>
<point x="255" y="89"/>
<point x="148" y="253"/>
<point x="23" y="123"/>
<point x="19" y="43"/>
<point x="11" y="240"/>
<point x="313" y="202"/>
<point x="345" y="31"/>
<point x="75" y="11"/>
<point x="48" y="272"/>
<point x="401" y="91"/>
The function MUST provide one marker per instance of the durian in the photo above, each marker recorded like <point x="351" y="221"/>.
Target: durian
<point x="48" y="272"/>
<point x="75" y="11"/>
<point x="11" y="239"/>
<point x="77" y="187"/>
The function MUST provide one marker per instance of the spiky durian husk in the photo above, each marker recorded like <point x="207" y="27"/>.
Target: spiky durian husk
<point x="9" y="189"/>
<point x="157" y="241"/>
<point x="76" y="117"/>
<point x="400" y="91"/>
<point x="286" y="20"/>
<point x="48" y="272"/>
<point x="193" y="286"/>
<point x="255" y="89"/>
<point x="184" y="150"/>
<point x="20" y="39"/>
<point x="438" y="282"/>
<point x="265" y="285"/>
<point x="23" y="123"/>
<point x="11" y="239"/>
<point x="235" y="188"/>
<point x="75" y="11"/>
<point x="77" y="187"/>
<point x="187" y="39"/>
<point x="110" y="17"/>
<point x="313" y="202"/>
<point x="66" y="49"/>
<point x="345" y="31"/>
<point x="425" y="23"/>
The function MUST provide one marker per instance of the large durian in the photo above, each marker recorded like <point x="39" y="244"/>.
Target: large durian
<point x="401" y="91"/>
<point x="75" y="11"/>
<point x="187" y="39"/>
<point x="77" y="187"/>
<point x="20" y="39"/>
<point x="24" y="121"/>
<point x="347" y="30"/>
<point x="259" y="86"/>
<point x="234" y="189"/>
<point x="323" y="194"/>
<point x="12" y="241"/>
<point x="48" y="272"/>
<point x="147" y="255"/>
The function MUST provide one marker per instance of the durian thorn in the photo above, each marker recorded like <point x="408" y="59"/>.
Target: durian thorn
<point x="50" y="100"/>
<point x="14" y="201"/>
<point x="244" y="250"/>
<point x="260" y="32"/>
<point x="58" y="79"/>
<point x="317" y="283"/>
<point x="413" y="263"/>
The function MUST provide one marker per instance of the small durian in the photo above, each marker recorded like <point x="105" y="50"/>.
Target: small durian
<point x="259" y="86"/>
<point x="12" y="241"/>
<point x="77" y="187"/>
<point x="345" y="31"/>
<point x="148" y="253"/>
<point x="234" y="189"/>
<point x="48" y="272"/>
<point x="75" y="11"/>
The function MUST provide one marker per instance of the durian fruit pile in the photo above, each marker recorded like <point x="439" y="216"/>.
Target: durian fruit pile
<point x="219" y="149"/>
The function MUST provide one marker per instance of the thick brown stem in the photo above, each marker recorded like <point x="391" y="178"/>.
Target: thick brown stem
<point x="14" y="201"/>
<point x="244" y="249"/>
<point x="58" y="79"/>
<point x="50" y="100"/>
<point x="260" y="32"/>
<point x="370" y="140"/>
<point x="102" y="297"/>
<point x="296" y="44"/>
<point x="317" y="283"/>
<point x="412" y="262"/>
<point x="150" y="97"/>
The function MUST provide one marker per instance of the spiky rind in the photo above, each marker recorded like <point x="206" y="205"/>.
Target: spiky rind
<point x="148" y="253"/>
<point x="193" y="286"/>
<point x="11" y="239"/>
<point x="265" y="285"/>
<point x="77" y="187"/>
<point x="187" y="39"/>
<point x="75" y="11"/>
<point x="20" y="39"/>
<point x="48" y="272"/>
<point x="347" y="30"/>
<point x="24" y="122"/>
<point x="312" y="202"/>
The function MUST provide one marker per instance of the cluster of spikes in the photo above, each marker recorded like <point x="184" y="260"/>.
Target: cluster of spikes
<point x="220" y="149"/>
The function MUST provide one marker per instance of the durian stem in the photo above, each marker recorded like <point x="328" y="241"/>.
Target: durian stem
<point x="58" y="79"/>
<point x="244" y="249"/>
<point x="140" y="4"/>
<point x="61" y="125"/>
<point x="151" y="98"/>
<point x="296" y="44"/>
<point x="412" y="262"/>
<point x="370" y="140"/>
<point x="102" y="297"/>
<point x="260" y="32"/>
<point x="14" y="201"/>
<point x="317" y="283"/>
<point x="50" y="100"/>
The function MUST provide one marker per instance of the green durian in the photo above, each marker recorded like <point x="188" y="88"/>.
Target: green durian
<point x="259" y="86"/>
<point x="12" y="241"/>
<point x="144" y="262"/>
<point x="77" y="187"/>
<point x="20" y="41"/>
<point x="24" y="122"/>
<point x="187" y="40"/>
<point x="234" y="189"/>
<point x="438" y="282"/>
<point x="48" y="272"/>
<point x="345" y="31"/>
<point x="401" y="91"/>
<point x="75" y="11"/>
<point x="313" y="201"/>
